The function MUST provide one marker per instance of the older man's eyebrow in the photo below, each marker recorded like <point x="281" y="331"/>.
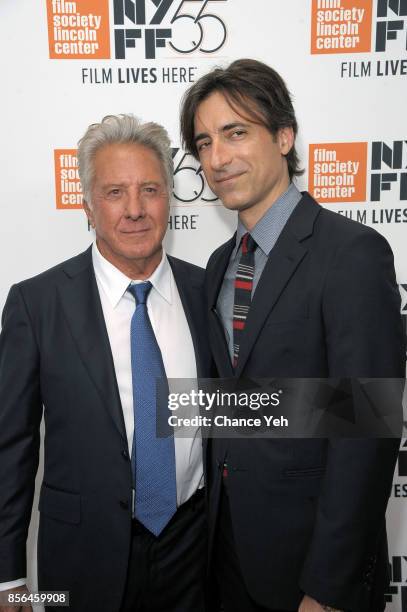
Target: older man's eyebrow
<point x="225" y="128"/>
<point x="112" y="185"/>
<point x="152" y="183"/>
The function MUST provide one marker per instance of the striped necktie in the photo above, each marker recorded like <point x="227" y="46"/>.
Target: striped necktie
<point x="243" y="292"/>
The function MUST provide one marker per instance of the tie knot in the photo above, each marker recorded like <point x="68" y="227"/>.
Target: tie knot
<point x="248" y="244"/>
<point x="140" y="291"/>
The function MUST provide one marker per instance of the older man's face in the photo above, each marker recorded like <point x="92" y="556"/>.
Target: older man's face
<point x="129" y="207"/>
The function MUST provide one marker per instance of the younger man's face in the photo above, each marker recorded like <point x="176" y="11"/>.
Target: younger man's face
<point x="243" y="162"/>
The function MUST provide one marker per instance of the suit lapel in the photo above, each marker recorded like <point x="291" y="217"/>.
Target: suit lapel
<point x="217" y="272"/>
<point x="282" y="263"/>
<point x="218" y="269"/>
<point x="83" y="311"/>
<point x="191" y="296"/>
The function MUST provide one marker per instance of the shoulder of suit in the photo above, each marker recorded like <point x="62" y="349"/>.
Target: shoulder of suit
<point x="68" y="267"/>
<point x="219" y="252"/>
<point x="341" y="228"/>
<point x="180" y="267"/>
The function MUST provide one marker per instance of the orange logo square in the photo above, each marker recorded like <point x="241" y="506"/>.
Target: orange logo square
<point x="337" y="171"/>
<point x="68" y="187"/>
<point x="341" y="26"/>
<point x="78" y="30"/>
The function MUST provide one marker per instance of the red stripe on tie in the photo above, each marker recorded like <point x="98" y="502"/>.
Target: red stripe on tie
<point x="244" y="285"/>
<point x="238" y="324"/>
<point x="244" y="243"/>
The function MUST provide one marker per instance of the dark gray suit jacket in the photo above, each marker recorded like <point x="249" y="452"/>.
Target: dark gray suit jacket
<point x="308" y="514"/>
<point x="54" y="351"/>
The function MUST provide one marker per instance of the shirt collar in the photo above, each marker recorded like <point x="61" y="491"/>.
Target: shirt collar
<point x="269" y="227"/>
<point x="115" y="283"/>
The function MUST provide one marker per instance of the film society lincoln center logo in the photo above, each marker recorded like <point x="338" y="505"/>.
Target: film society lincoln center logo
<point x="358" y="26"/>
<point x="68" y="189"/>
<point x="341" y="172"/>
<point x="122" y="29"/>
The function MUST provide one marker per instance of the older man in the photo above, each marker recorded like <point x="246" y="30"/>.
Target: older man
<point x="122" y="524"/>
<point x="298" y="291"/>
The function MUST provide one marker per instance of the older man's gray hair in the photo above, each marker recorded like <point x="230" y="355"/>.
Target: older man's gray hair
<point x="124" y="128"/>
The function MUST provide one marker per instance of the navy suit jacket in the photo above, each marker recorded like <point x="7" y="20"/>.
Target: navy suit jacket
<point x="55" y="352"/>
<point x="308" y="514"/>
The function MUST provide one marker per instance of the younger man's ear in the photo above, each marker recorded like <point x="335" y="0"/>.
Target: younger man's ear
<point x="285" y="138"/>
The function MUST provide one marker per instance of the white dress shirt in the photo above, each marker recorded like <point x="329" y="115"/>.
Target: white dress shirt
<point x="174" y="339"/>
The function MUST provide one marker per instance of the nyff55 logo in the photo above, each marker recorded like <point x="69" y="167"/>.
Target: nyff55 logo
<point x="190" y="186"/>
<point x="81" y="29"/>
<point x="338" y="171"/>
<point x="357" y="26"/>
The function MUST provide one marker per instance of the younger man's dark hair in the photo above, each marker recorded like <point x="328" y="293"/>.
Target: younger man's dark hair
<point x="250" y="87"/>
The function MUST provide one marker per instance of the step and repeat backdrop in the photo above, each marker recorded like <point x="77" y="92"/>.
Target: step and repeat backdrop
<point x="65" y="65"/>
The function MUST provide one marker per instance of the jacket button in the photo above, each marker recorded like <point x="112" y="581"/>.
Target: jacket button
<point x="125" y="455"/>
<point x="124" y="504"/>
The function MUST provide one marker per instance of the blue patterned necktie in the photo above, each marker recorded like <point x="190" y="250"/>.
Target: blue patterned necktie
<point x="153" y="459"/>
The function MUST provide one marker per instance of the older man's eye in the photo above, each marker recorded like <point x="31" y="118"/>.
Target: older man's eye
<point x="113" y="193"/>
